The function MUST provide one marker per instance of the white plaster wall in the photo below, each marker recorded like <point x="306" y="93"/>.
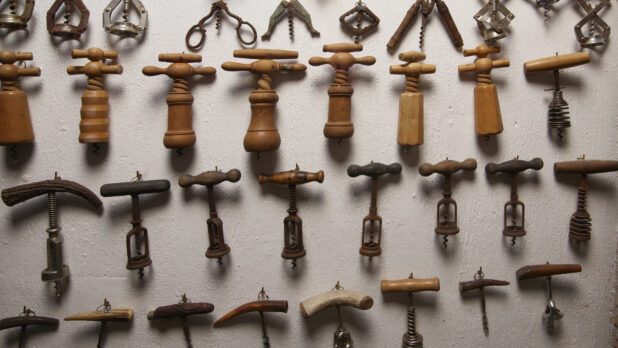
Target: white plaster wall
<point x="331" y="212"/>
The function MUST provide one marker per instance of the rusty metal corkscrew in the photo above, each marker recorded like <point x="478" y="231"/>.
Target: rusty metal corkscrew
<point x="293" y="8"/>
<point x="480" y="283"/>
<point x="594" y="23"/>
<point x="13" y="20"/>
<point x="65" y="29"/>
<point x="359" y="13"/>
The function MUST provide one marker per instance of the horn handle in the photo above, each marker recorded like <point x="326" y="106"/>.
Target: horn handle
<point x="481" y="283"/>
<point x="586" y="167"/>
<point x="8" y="323"/>
<point x="180" y="310"/>
<point x="447" y="167"/>
<point x="21" y="193"/>
<point x="411" y="285"/>
<point x="123" y="314"/>
<point x="209" y="178"/>
<point x="255" y="306"/>
<point x="514" y="166"/>
<point x="135" y="188"/>
<point x="333" y="298"/>
<point x="535" y="271"/>
<point x="374" y="170"/>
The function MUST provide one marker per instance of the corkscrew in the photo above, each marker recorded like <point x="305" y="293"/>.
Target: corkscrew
<point x="293" y="8"/>
<point x="26" y="318"/>
<point x="411" y="285"/>
<point x="182" y="310"/>
<point x="447" y="225"/>
<point x="56" y="270"/>
<point x="138" y="247"/>
<point x="216" y="9"/>
<point x="217" y="248"/>
<point x="358" y="14"/>
<point x="293" y="247"/>
<point x="552" y="313"/>
<point x="103" y="314"/>
<point x="492" y="20"/>
<point x="581" y="223"/>
<point x="547" y="6"/>
<point x="13" y="20"/>
<point x="66" y="30"/>
<point x="124" y="27"/>
<point x="480" y="283"/>
<point x="372" y="223"/>
<point x="514" y="167"/>
<point x="594" y="23"/>
<point x="558" y="114"/>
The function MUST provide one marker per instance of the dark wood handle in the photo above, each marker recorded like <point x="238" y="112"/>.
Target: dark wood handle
<point x="210" y="178"/>
<point x="447" y="167"/>
<point x="256" y="306"/>
<point x="449" y="24"/>
<point x="514" y="166"/>
<point x="481" y="283"/>
<point x="180" y="310"/>
<point x="374" y="170"/>
<point x="292" y="177"/>
<point x="135" y="188"/>
<point x="405" y="24"/>
<point x="586" y="166"/>
<point x="8" y="323"/>
<point x="21" y="193"/>
<point x="535" y="271"/>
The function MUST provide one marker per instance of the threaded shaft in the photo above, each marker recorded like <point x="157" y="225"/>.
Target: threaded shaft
<point x="135" y="209"/>
<point x="412" y="83"/>
<point x="180" y="85"/>
<point x="341" y="76"/>
<point x="211" y="200"/>
<point x="68" y="12"/>
<point x="95" y="83"/>
<point x="52" y="211"/>
<point x="291" y="23"/>
<point x="8" y="85"/>
<point x="265" y="82"/>
<point x="293" y="209"/>
<point x="483" y="78"/>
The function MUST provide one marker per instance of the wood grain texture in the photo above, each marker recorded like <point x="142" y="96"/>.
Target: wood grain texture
<point x="8" y="323"/>
<point x="135" y="188"/>
<point x="487" y="114"/>
<point x="447" y="167"/>
<point x="410" y="128"/>
<point x="123" y="314"/>
<point x="265" y="54"/>
<point x="180" y="310"/>
<point x="481" y="283"/>
<point x="333" y="298"/>
<point x="586" y="166"/>
<point x="562" y="61"/>
<point x="292" y="177"/>
<point x="255" y="306"/>
<point x="15" y="121"/>
<point x="411" y="285"/>
<point x="21" y="193"/>
<point x="535" y="271"/>
<point x="210" y="178"/>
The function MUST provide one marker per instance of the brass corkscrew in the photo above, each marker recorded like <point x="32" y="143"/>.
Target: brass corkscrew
<point x="293" y="8"/>
<point x="124" y="27"/>
<point x="359" y="13"/>
<point x="65" y="29"/>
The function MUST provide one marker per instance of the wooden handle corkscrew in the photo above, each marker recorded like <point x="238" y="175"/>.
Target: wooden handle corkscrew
<point x="447" y="167"/>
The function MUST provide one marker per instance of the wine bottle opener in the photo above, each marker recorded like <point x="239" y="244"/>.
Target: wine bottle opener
<point x="179" y="132"/>
<point x="480" y="283"/>
<point x="552" y="313"/>
<point x="487" y="115"/>
<point x="581" y="223"/>
<point x="547" y="6"/>
<point x="492" y="19"/>
<point x="124" y="27"/>
<point x="13" y="20"/>
<point x="514" y="167"/>
<point x="293" y="8"/>
<point x="182" y="310"/>
<point x="358" y="13"/>
<point x="446" y="225"/>
<point x="138" y="256"/>
<point x="262" y="134"/>
<point x="594" y="23"/>
<point x="103" y="314"/>
<point x="340" y="92"/>
<point x="558" y="113"/>
<point x="411" y="285"/>
<point x="56" y="270"/>
<point x="293" y="247"/>
<point x="66" y="30"/>
<point x="263" y="304"/>
<point x="372" y="223"/>
<point x="27" y="318"/>
<point x="217" y="248"/>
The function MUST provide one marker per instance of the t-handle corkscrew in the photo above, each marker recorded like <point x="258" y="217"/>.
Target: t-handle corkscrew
<point x="480" y="283"/>
<point x="103" y="314"/>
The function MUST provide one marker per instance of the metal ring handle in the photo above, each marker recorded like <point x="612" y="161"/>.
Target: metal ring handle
<point x="238" y="28"/>
<point x="190" y="33"/>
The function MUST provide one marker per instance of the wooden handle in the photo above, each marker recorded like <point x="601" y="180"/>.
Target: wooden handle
<point x="29" y="72"/>
<point x="153" y="71"/>
<point x="123" y="314"/>
<point x="514" y="166"/>
<point x="481" y="283"/>
<point x="447" y="167"/>
<point x="480" y="51"/>
<point x="256" y="306"/>
<point x="374" y="170"/>
<point x="180" y="58"/>
<point x="557" y="62"/>
<point x="75" y="70"/>
<point x="180" y="310"/>
<point x="292" y="177"/>
<point x="342" y="47"/>
<point x="333" y="298"/>
<point x="210" y="178"/>
<point x="535" y="271"/>
<point x="8" y="323"/>
<point x="10" y="57"/>
<point x="368" y="60"/>
<point x="265" y="54"/>
<point x="111" y="69"/>
<point x="403" y="26"/>
<point x="411" y="285"/>
<point x="449" y="24"/>
<point x="135" y="188"/>
<point x="94" y="54"/>
<point x="21" y="193"/>
<point x="412" y="68"/>
<point x="501" y="63"/>
<point x="411" y="56"/>
<point x="586" y="166"/>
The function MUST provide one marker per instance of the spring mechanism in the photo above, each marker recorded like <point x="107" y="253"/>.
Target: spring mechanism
<point x="411" y="338"/>
<point x="580" y="225"/>
<point x="180" y="86"/>
<point x="412" y="83"/>
<point x="291" y="23"/>
<point x="95" y="83"/>
<point x="341" y="77"/>
<point x="218" y="17"/>
<point x="558" y="114"/>
<point x="483" y="78"/>
<point x="68" y="12"/>
<point x="265" y="82"/>
<point x="52" y="212"/>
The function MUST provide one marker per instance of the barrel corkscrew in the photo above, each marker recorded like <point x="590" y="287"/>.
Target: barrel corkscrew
<point x="104" y="314"/>
<point x="66" y="29"/>
<point x="480" y="283"/>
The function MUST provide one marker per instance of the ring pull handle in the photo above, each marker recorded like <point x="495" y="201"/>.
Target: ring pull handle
<point x="196" y="28"/>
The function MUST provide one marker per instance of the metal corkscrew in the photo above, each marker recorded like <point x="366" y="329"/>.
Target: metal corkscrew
<point x="65" y="29"/>
<point x="124" y="27"/>
<point x="13" y="20"/>
<point x="492" y="20"/>
<point x="547" y="6"/>
<point x="480" y="283"/>
<point x="357" y="14"/>
<point x="293" y="8"/>
<point x="594" y="23"/>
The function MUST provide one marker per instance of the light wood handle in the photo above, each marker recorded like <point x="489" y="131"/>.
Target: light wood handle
<point x="374" y="170"/>
<point x="292" y="177"/>
<point x="480" y="51"/>
<point x="412" y="56"/>
<point x="204" y="71"/>
<point x="75" y="70"/>
<point x="333" y="298"/>
<point x="29" y="72"/>
<point x="180" y="58"/>
<point x="368" y="60"/>
<point x="123" y="314"/>
<point x="481" y="283"/>
<point x="153" y="71"/>
<point x="411" y="285"/>
<point x="234" y="66"/>
<point x="111" y="69"/>
<point x="586" y="166"/>
<point x="557" y="62"/>
<point x="265" y="54"/>
<point x="342" y="47"/>
<point x="501" y="63"/>
<point x="317" y="61"/>
<point x="94" y="54"/>
<point x="535" y="271"/>
<point x="466" y="68"/>
<point x="412" y="68"/>
<point x="447" y="167"/>
<point x="255" y="306"/>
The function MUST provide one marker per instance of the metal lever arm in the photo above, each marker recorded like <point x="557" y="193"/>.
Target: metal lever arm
<point x="335" y="298"/>
<point x="411" y="285"/>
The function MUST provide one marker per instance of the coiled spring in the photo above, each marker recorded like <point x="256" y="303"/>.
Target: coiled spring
<point x="580" y="225"/>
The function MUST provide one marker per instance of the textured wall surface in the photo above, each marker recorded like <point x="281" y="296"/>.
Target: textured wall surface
<point x="332" y="212"/>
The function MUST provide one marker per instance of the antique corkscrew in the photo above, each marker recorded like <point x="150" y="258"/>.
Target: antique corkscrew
<point x="480" y="283"/>
<point x="103" y="314"/>
<point x="182" y="310"/>
<point x="124" y="27"/>
<point x="94" y="124"/>
<point x="293" y="8"/>
<point x="216" y="9"/>
<point x="411" y="106"/>
<point x="552" y="313"/>
<point x="26" y="318"/>
<point x="217" y="248"/>
<point x="581" y="224"/>
<point x="558" y="113"/>
<point x="446" y="225"/>
<point x="293" y="247"/>
<point x="65" y="29"/>
<point x="337" y="297"/>
<point x="263" y="304"/>
<point x="492" y="20"/>
<point x="359" y="13"/>
<point x="425" y="7"/>
<point x="512" y="207"/>
<point x="547" y="6"/>
<point x="179" y="132"/>
<point x="340" y="92"/>
<point x="13" y="20"/>
<point x="138" y="256"/>
<point x="594" y="23"/>
<point x="487" y="116"/>
<point x="411" y="285"/>
<point x="372" y="223"/>
<point x="56" y="270"/>
<point x="262" y="134"/>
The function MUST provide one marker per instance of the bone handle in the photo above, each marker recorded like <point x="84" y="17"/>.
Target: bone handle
<point x="374" y="170"/>
<point x="411" y="285"/>
<point x="333" y="298"/>
<point x="342" y="47"/>
<point x="123" y="314"/>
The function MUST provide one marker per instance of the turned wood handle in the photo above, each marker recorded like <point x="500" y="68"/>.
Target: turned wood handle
<point x="180" y="310"/>
<point x="514" y="166"/>
<point x="135" y="188"/>
<point x="29" y="72"/>
<point x="262" y="67"/>
<point x="480" y="51"/>
<point x="586" y="166"/>
<point x="403" y="26"/>
<point x="111" y="69"/>
<point x="123" y="314"/>
<point x="292" y="177"/>
<point x="345" y="63"/>
<point x="481" y="283"/>
<point x="501" y="63"/>
<point x="411" y="285"/>
<point x="374" y="170"/>
<point x="21" y="193"/>
<point x="255" y="306"/>
<point x="10" y="57"/>
<point x="412" y="68"/>
<point x="342" y="47"/>
<point x="535" y="271"/>
<point x="447" y="167"/>
<point x="8" y="323"/>
<point x="557" y="62"/>
<point x="411" y="56"/>
<point x="265" y="54"/>
<point x="94" y="54"/>
<point x="180" y="58"/>
<point x="333" y="298"/>
<point x="449" y="24"/>
<point x="210" y="178"/>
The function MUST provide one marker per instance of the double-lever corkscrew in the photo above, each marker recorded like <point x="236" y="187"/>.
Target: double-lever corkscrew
<point x="594" y="23"/>
<point x="293" y="8"/>
<point x="26" y="318"/>
<point x="480" y="283"/>
<point x="65" y="29"/>
<point x="103" y="314"/>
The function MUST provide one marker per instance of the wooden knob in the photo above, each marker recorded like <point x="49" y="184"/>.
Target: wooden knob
<point x="411" y="285"/>
<point x="10" y="57"/>
<point x="514" y="166"/>
<point x="210" y="178"/>
<point x="292" y="177"/>
<point x="374" y="170"/>
<point x="335" y="298"/>
<point x="535" y="271"/>
<point x="585" y="167"/>
<point x="265" y="54"/>
<point x="134" y="188"/>
<point x="95" y="54"/>
<point x="411" y="56"/>
<point x="557" y="62"/>
<point x="447" y="167"/>
<point x="255" y="306"/>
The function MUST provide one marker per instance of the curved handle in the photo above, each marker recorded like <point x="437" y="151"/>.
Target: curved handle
<point x="122" y="314"/>
<point x="557" y="62"/>
<point x="292" y="177"/>
<point x="21" y="193"/>
<point x="374" y="170"/>
<point x="94" y="54"/>
<point x="9" y="323"/>
<point x="514" y="166"/>
<point x="180" y="310"/>
<point x="255" y="306"/>
<point x="135" y="188"/>
<point x="447" y="167"/>
<point x="411" y="285"/>
<point x="586" y="166"/>
<point x="481" y="283"/>
<point x="535" y="271"/>
<point x="335" y="298"/>
<point x="180" y="58"/>
<point x="209" y="178"/>
<point x="265" y="54"/>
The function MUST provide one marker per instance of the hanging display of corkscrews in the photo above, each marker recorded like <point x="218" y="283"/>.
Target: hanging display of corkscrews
<point x="292" y="8"/>
<point x="65" y="29"/>
<point x="492" y="20"/>
<point x="358" y="14"/>
<point x="480" y="283"/>
<point x="124" y="27"/>
<point x="26" y="318"/>
<point x="104" y="314"/>
<point x="13" y="20"/>
<point x="594" y="23"/>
